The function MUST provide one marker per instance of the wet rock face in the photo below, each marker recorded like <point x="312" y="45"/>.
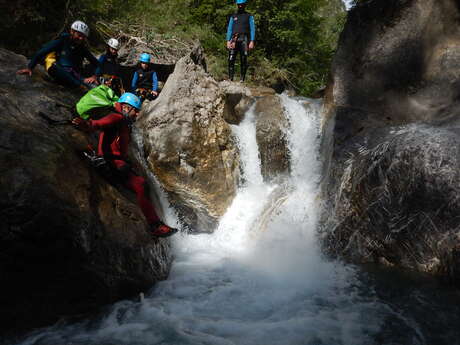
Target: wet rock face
<point x="399" y="60"/>
<point x="271" y="125"/>
<point x="398" y="199"/>
<point x="392" y="194"/>
<point x="69" y="241"/>
<point x="189" y="146"/>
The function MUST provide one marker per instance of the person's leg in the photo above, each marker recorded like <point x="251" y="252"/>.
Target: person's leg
<point x="137" y="184"/>
<point x="244" y="58"/>
<point x="157" y="227"/>
<point x="65" y="77"/>
<point x="231" y="63"/>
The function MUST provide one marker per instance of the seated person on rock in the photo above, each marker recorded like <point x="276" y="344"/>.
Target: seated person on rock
<point x="98" y="102"/>
<point x="108" y="62"/>
<point x="114" y="138"/>
<point x="64" y="57"/>
<point x="145" y="80"/>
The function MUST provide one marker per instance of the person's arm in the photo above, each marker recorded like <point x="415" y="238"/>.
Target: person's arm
<point x="154" y="82"/>
<point x="230" y="29"/>
<point x="252" y="26"/>
<point x="94" y="63"/>
<point x="39" y="55"/>
<point x="134" y="81"/>
<point x="99" y="66"/>
<point x="106" y="122"/>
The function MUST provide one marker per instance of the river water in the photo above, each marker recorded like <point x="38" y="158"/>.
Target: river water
<point x="260" y="279"/>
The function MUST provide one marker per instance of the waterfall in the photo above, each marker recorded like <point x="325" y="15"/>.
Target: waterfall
<point x="260" y="278"/>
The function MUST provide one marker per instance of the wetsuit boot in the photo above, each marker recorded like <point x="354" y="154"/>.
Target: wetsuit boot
<point x="159" y="229"/>
<point x="244" y="66"/>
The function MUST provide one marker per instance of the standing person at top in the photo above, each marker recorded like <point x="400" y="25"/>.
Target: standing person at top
<point x="108" y="62"/>
<point x="64" y="57"/>
<point x="145" y="80"/>
<point x="114" y="139"/>
<point x="241" y="35"/>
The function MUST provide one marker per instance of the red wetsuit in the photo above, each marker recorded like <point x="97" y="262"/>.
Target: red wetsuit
<point x="114" y="138"/>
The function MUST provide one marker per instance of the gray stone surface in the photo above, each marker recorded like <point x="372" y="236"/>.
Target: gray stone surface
<point x="69" y="241"/>
<point x="271" y="126"/>
<point x="189" y="146"/>
<point x="392" y="193"/>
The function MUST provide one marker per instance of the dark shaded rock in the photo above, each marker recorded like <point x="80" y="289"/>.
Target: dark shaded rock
<point x="236" y="106"/>
<point x="393" y="104"/>
<point x="69" y="241"/>
<point x="398" y="199"/>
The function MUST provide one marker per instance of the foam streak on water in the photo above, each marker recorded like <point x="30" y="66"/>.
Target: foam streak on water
<point x="259" y="279"/>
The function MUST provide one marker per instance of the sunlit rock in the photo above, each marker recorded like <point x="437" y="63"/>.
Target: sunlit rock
<point x="189" y="146"/>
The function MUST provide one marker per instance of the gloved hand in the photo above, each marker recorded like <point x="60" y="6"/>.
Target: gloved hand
<point x="81" y="124"/>
<point x="91" y="80"/>
<point x="27" y="71"/>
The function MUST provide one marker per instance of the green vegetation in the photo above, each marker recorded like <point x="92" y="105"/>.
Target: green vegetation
<point x="295" y="39"/>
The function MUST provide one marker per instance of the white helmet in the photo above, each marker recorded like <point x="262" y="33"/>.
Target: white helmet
<point x="80" y="27"/>
<point x="113" y="43"/>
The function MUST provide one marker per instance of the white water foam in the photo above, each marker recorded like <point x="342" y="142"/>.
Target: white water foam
<point x="348" y="4"/>
<point x="256" y="280"/>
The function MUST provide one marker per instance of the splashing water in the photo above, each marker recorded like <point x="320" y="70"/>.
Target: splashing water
<point x="259" y="279"/>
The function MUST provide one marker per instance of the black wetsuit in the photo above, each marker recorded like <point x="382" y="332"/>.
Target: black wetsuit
<point x="108" y="64"/>
<point x="241" y="30"/>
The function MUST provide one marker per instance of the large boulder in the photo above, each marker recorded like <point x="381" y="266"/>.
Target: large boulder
<point x="69" y="241"/>
<point x="393" y="105"/>
<point x="271" y="125"/>
<point x="189" y="146"/>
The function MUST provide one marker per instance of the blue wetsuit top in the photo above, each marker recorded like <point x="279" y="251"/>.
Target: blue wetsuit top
<point x="68" y="54"/>
<point x="143" y="79"/>
<point x="252" y="26"/>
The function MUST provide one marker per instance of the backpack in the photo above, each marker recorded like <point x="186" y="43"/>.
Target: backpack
<point x="96" y="103"/>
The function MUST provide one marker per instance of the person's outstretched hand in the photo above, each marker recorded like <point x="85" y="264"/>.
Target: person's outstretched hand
<point x="27" y="71"/>
<point x="81" y="124"/>
<point x="90" y="80"/>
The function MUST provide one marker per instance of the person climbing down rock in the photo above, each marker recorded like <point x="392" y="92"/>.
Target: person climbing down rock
<point x="98" y="102"/>
<point x="145" y="80"/>
<point x="114" y="138"/>
<point x="108" y="62"/>
<point x="241" y="35"/>
<point x="63" y="58"/>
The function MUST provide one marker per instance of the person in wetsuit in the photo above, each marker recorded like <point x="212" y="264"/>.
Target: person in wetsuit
<point x="241" y="34"/>
<point x="145" y="80"/>
<point x="112" y="155"/>
<point x="108" y="62"/>
<point x="64" y="57"/>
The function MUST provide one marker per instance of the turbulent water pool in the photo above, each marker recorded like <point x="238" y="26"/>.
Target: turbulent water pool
<point x="261" y="280"/>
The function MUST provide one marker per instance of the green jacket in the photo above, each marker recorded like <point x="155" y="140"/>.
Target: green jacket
<point x="96" y="102"/>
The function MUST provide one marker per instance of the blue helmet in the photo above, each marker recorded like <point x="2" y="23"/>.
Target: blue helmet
<point x="131" y="99"/>
<point x="145" y="58"/>
<point x="238" y="2"/>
